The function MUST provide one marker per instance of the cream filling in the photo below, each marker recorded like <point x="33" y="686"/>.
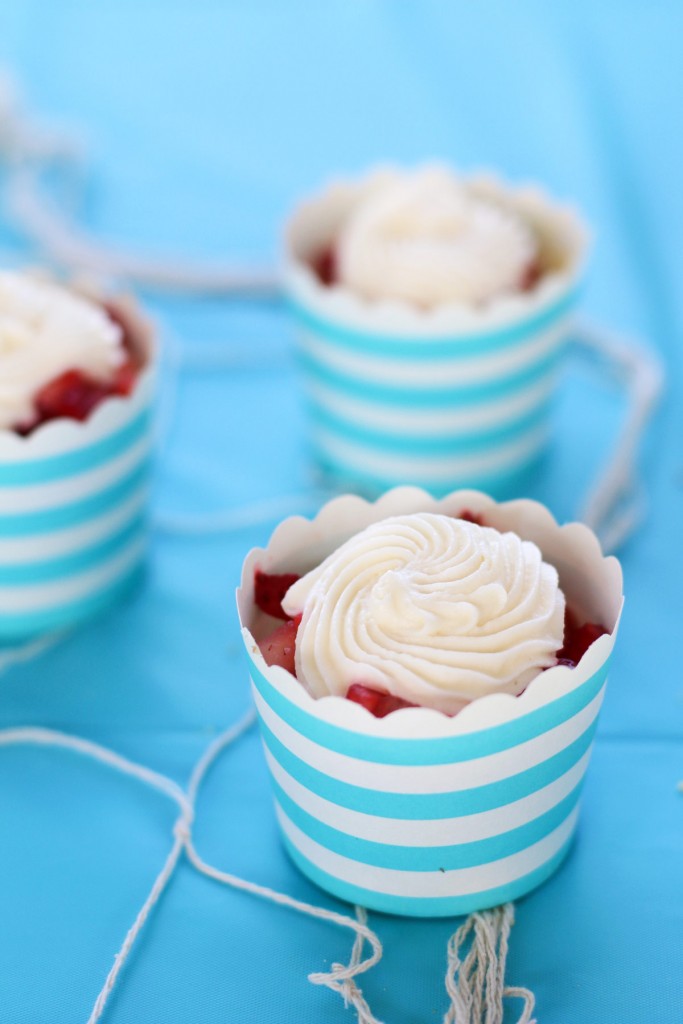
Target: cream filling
<point x="432" y="609"/>
<point x="427" y="239"/>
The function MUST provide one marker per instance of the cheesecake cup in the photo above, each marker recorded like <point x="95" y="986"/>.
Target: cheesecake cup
<point x="441" y="397"/>
<point x="73" y="497"/>
<point x="418" y="813"/>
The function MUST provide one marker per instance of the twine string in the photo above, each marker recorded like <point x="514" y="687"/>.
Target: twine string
<point x="341" y="977"/>
<point x="475" y="985"/>
<point x="160" y="884"/>
<point x="616" y="505"/>
<point x="37" y="736"/>
<point x="475" y="979"/>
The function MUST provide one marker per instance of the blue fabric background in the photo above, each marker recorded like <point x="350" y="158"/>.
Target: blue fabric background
<point x="205" y="121"/>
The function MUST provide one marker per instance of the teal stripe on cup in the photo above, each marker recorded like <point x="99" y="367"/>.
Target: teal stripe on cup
<point x="428" y="442"/>
<point x="78" y="546"/>
<point x="428" y="348"/>
<point x="49" y="469"/>
<point x="81" y="560"/>
<point x="428" y="396"/>
<point x="441" y="370"/>
<point x="62" y="517"/>
<point x="427" y="906"/>
<point x="436" y="750"/>
<point x="420" y="806"/>
<point x="428" y="858"/>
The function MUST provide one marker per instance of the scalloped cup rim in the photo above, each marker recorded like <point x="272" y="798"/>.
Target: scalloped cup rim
<point x="70" y="428"/>
<point x="63" y="432"/>
<point x="424" y="723"/>
<point x="340" y="302"/>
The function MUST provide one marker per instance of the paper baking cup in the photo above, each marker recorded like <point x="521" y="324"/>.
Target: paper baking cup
<point x="441" y="398"/>
<point x="72" y="507"/>
<point x="418" y="813"/>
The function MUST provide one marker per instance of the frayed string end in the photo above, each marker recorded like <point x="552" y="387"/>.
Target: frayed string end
<point x="475" y="977"/>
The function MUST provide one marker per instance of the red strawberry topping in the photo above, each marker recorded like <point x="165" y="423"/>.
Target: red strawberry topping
<point x="73" y="394"/>
<point x="471" y="517"/>
<point x="324" y="265"/>
<point x="270" y="589"/>
<point x="531" y="276"/>
<point x="376" y="702"/>
<point x="125" y="378"/>
<point x="279" y="647"/>
<point x="577" y="639"/>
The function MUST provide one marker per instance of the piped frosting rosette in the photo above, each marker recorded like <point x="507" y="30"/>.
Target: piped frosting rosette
<point x="419" y="813"/>
<point x="432" y="609"/>
<point x="428" y="238"/>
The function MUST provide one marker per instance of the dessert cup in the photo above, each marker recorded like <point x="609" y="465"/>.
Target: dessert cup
<point x="417" y="813"/>
<point x="72" y="505"/>
<point x="443" y="397"/>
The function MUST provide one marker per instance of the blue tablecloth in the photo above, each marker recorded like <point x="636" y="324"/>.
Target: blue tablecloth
<point x="205" y="121"/>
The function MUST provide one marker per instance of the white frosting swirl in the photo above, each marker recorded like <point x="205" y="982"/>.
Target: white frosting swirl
<point x="427" y="239"/>
<point x="429" y="608"/>
<point x="45" y="330"/>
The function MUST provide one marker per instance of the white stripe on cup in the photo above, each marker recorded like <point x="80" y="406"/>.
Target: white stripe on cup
<point x="430" y="469"/>
<point x="60" y="543"/>
<point x="439" y="778"/>
<point x="440" y="832"/>
<point x="488" y="415"/>
<point x="421" y="372"/>
<point x="33" y="598"/>
<point x="76" y="487"/>
<point x="426" y="884"/>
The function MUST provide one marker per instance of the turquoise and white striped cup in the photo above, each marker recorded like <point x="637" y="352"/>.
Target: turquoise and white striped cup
<point x="420" y="814"/>
<point x="439" y="398"/>
<point x="72" y="507"/>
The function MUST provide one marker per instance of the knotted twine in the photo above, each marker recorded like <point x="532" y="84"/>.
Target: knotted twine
<point x="474" y="985"/>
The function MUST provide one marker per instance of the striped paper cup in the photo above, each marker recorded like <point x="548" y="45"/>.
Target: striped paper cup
<point x="417" y="813"/>
<point x="72" y="506"/>
<point x="440" y="398"/>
